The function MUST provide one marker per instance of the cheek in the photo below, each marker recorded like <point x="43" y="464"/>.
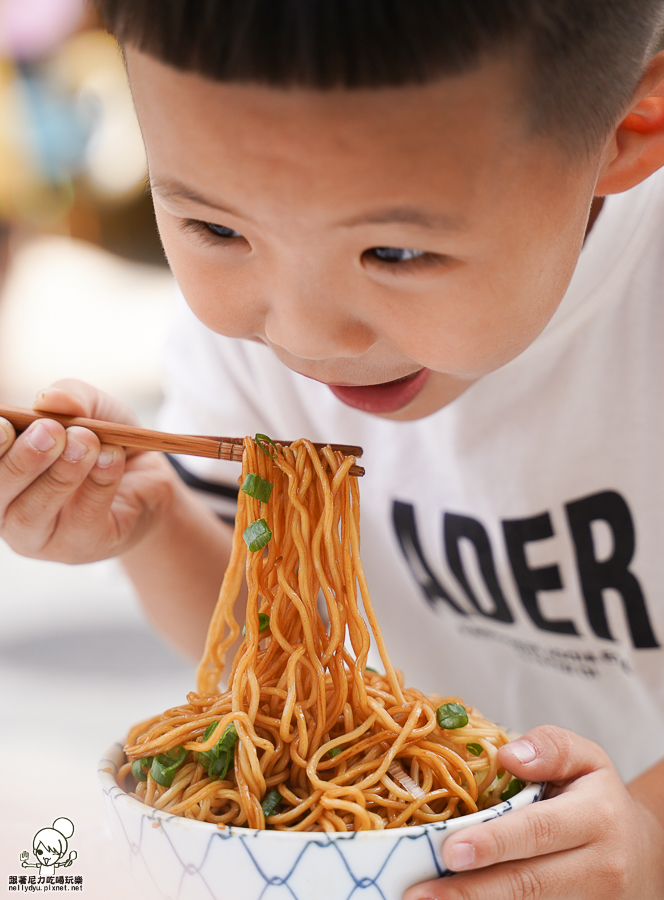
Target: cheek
<point x="529" y="289"/>
<point x="483" y="316"/>
<point x="218" y="292"/>
<point x="492" y="310"/>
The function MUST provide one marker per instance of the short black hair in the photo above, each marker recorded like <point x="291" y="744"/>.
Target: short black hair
<point x="582" y="58"/>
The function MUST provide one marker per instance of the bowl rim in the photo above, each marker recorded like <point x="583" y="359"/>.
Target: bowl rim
<point x="109" y="764"/>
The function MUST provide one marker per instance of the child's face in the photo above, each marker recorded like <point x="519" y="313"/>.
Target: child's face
<point x="306" y="185"/>
<point x="45" y="856"/>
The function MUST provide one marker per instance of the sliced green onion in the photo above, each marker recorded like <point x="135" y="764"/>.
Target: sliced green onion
<point x="475" y="749"/>
<point x="205" y="757"/>
<point x="220" y="765"/>
<point x="228" y="740"/>
<point x="514" y="787"/>
<point x="263" y="624"/>
<point x="139" y="766"/>
<point x="335" y="751"/>
<point x="165" y="765"/>
<point x="369" y="669"/>
<point x="208" y="731"/>
<point x="257" y="487"/>
<point x="451" y="715"/>
<point x="260" y="438"/>
<point x="270" y="802"/>
<point x="221" y="756"/>
<point x="257" y="535"/>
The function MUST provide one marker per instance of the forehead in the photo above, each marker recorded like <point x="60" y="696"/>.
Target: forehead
<point x="459" y="134"/>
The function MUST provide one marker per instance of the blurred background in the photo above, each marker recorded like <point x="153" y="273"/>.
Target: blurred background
<point x="84" y="293"/>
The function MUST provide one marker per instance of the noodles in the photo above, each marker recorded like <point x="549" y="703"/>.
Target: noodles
<point x="305" y="738"/>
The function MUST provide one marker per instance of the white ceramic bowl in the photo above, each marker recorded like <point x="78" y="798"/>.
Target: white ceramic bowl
<point x="187" y="860"/>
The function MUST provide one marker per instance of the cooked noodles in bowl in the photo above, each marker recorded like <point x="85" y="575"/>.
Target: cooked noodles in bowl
<point x="306" y="737"/>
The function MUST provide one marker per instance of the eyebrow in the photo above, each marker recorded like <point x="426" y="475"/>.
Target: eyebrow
<point x="408" y="215"/>
<point x="171" y="188"/>
<point x="402" y="215"/>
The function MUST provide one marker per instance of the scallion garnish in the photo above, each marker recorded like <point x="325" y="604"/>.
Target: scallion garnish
<point x="475" y="749"/>
<point x="220" y="765"/>
<point x="204" y="758"/>
<point x="261" y="440"/>
<point x="335" y="751"/>
<point x="257" y="487"/>
<point x="263" y="624"/>
<point x="270" y="802"/>
<point x="140" y="768"/>
<point x="218" y="760"/>
<point x="514" y="787"/>
<point x="257" y="535"/>
<point x="165" y="765"/>
<point x="451" y="715"/>
<point x="369" y="669"/>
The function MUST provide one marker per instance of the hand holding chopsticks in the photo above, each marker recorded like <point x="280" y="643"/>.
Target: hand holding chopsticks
<point x="229" y="448"/>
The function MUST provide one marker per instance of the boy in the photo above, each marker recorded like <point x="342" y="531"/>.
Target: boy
<point x="386" y="202"/>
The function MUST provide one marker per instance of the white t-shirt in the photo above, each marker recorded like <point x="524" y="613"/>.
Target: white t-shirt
<point x="513" y="541"/>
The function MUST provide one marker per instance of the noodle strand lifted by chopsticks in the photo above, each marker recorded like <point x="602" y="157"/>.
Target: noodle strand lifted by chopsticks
<point x="311" y="721"/>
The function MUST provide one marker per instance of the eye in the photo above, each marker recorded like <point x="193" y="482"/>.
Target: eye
<point x="39" y="851"/>
<point x="395" y="254"/>
<point x="210" y="232"/>
<point x="222" y="231"/>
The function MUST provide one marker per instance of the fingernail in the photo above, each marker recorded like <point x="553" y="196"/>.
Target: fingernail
<point x="4" y="432"/>
<point x="74" y="450"/>
<point x="523" y="751"/>
<point x="461" y="856"/>
<point x="106" y="458"/>
<point x="41" y="438"/>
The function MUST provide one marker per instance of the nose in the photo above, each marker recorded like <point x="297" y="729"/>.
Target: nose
<point x="313" y="316"/>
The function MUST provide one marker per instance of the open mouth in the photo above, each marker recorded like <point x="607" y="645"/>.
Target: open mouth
<point x="390" y="396"/>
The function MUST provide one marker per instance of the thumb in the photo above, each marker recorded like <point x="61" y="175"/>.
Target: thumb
<point x="71" y="397"/>
<point x="56" y="400"/>
<point x="552" y="754"/>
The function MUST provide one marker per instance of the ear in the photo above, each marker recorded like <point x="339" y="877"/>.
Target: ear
<point x="636" y="148"/>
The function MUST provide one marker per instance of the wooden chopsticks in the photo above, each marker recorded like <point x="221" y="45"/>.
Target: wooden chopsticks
<point x="229" y="448"/>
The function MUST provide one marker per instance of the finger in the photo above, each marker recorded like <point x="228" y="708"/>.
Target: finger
<point x="547" y="754"/>
<point x="7" y="436"/>
<point x="555" y="877"/>
<point x="550" y="826"/>
<point x="77" y="398"/>
<point x="57" y="400"/>
<point x="552" y="754"/>
<point x="31" y="519"/>
<point x="86" y="517"/>
<point x="29" y="456"/>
